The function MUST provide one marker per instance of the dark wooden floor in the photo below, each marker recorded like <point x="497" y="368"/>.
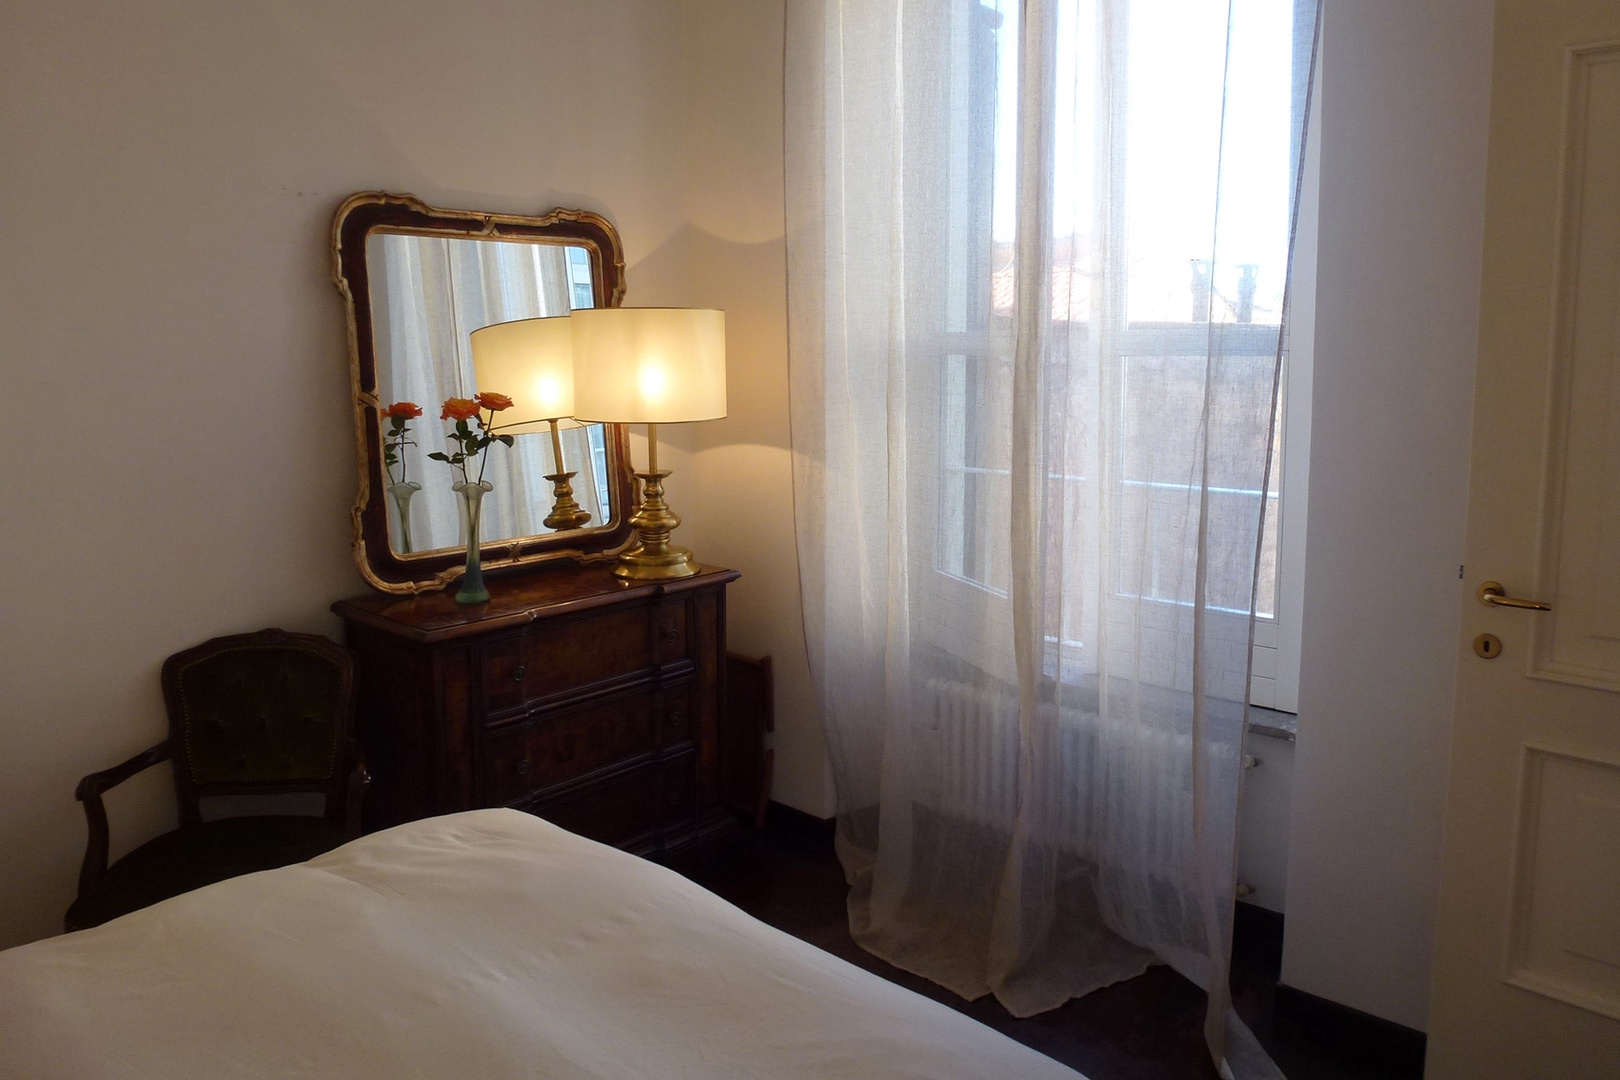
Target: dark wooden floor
<point x="1148" y="1028"/>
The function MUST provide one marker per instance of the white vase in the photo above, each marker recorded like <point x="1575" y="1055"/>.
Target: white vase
<point x="402" y="493"/>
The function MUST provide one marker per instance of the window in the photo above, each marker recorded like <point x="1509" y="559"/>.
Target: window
<point x="581" y="292"/>
<point x="1144" y="352"/>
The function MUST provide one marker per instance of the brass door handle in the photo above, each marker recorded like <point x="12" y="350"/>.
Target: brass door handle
<point x="1491" y="593"/>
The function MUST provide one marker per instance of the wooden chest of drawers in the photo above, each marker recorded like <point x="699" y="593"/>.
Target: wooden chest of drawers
<point x="594" y="703"/>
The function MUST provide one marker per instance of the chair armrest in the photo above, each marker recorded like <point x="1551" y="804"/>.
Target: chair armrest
<point x="355" y="784"/>
<point x="89" y="792"/>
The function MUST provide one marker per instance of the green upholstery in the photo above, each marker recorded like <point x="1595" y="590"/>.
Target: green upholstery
<point x="199" y="855"/>
<point x="261" y="713"/>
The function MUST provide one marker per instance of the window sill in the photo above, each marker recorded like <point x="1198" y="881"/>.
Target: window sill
<point x="1273" y="724"/>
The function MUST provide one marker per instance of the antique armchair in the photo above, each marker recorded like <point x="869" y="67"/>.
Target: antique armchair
<point x="264" y="713"/>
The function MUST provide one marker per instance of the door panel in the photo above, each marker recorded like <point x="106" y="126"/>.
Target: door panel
<point x="1564" y="936"/>
<point x="1580" y="641"/>
<point x="1527" y="949"/>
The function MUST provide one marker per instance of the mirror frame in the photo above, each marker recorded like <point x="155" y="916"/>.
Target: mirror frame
<point x="377" y="211"/>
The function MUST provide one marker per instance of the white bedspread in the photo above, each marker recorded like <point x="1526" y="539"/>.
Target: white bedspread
<point x="485" y="945"/>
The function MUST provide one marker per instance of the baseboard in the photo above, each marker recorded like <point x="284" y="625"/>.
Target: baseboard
<point x="1395" y="1050"/>
<point x="782" y="818"/>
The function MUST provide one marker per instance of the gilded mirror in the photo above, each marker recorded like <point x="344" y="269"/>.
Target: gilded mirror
<point x="417" y="281"/>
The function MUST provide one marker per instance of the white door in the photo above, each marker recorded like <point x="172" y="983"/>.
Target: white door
<point x="1527" y="964"/>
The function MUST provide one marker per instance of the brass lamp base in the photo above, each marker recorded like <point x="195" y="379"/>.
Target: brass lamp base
<point x="565" y="512"/>
<point x="636" y="565"/>
<point x="654" y="559"/>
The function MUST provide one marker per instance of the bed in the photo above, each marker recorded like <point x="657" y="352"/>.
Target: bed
<point x="485" y="945"/>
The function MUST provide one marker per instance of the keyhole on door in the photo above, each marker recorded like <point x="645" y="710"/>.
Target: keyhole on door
<point x="1488" y="646"/>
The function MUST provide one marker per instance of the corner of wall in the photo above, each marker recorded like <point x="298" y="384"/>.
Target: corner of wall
<point x="740" y="487"/>
<point x="1405" y="110"/>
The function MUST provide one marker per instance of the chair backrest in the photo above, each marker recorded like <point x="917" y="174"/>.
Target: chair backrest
<point x="260" y="713"/>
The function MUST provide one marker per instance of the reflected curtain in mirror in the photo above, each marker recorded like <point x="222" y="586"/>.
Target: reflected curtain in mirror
<point x="429" y="293"/>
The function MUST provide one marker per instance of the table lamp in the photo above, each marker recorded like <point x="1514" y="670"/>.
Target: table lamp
<point x="650" y="366"/>
<point x="532" y="361"/>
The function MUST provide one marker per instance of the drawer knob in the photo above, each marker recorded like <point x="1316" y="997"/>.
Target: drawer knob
<point x="674" y="798"/>
<point x="675" y="718"/>
<point x="670" y="633"/>
<point x="517" y="673"/>
<point x="523" y="767"/>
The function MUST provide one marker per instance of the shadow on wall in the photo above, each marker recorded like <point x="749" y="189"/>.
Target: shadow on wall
<point x="739" y="495"/>
<point x="750" y="281"/>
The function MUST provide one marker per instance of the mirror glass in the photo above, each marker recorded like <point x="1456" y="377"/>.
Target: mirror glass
<point x="428" y="294"/>
<point x="416" y="282"/>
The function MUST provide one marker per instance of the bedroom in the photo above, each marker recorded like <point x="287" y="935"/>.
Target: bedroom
<point x="169" y="176"/>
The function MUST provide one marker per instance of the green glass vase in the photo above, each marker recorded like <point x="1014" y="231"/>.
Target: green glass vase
<point x="472" y="494"/>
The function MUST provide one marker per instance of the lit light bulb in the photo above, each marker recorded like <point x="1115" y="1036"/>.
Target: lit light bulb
<point x="548" y="391"/>
<point x="652" y="383"/>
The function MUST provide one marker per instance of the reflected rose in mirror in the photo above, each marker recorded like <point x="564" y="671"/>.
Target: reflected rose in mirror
<point x="400" y="485"/>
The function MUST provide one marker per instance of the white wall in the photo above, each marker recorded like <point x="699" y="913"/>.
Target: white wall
<point x="177" y="445"/>
<point x="1405" y="98"/>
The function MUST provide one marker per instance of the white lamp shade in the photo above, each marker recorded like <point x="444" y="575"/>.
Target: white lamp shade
<point x="531" y="361"/>
<point x="649" y="365"/>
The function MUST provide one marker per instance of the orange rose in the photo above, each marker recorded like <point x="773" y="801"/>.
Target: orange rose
<point x="408" y="410"/>
<point x="494" y="402"/>
<point x="459" y="408"/>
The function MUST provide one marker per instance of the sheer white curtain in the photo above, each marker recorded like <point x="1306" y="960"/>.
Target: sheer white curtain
<point x="1037" y="264"/>
<point x="432" y="294"/>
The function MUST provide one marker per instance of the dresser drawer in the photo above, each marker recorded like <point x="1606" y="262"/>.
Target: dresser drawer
<point x="557" y="658"/>
<point x="572" y="694"/>
<point x="557" y="746"/>
<point x="627" y="805"/>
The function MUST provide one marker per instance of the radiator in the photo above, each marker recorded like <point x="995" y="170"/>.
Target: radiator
<point x="1083" y="769"/>
<point x="1111" y="799"/>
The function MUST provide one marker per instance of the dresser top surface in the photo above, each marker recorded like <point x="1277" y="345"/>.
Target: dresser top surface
<point x="513" y="601"/>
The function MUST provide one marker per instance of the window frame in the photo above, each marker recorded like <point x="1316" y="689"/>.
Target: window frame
<point x="1274" y="677"/>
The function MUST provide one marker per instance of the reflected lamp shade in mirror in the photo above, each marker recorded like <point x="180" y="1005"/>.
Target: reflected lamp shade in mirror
<point x="531" y="361"/>
<point x="650" y="366"/>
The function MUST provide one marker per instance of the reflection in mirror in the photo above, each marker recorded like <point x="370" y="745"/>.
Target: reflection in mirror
<point x="416" y="281"/>
<point x="428" y="294"/>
